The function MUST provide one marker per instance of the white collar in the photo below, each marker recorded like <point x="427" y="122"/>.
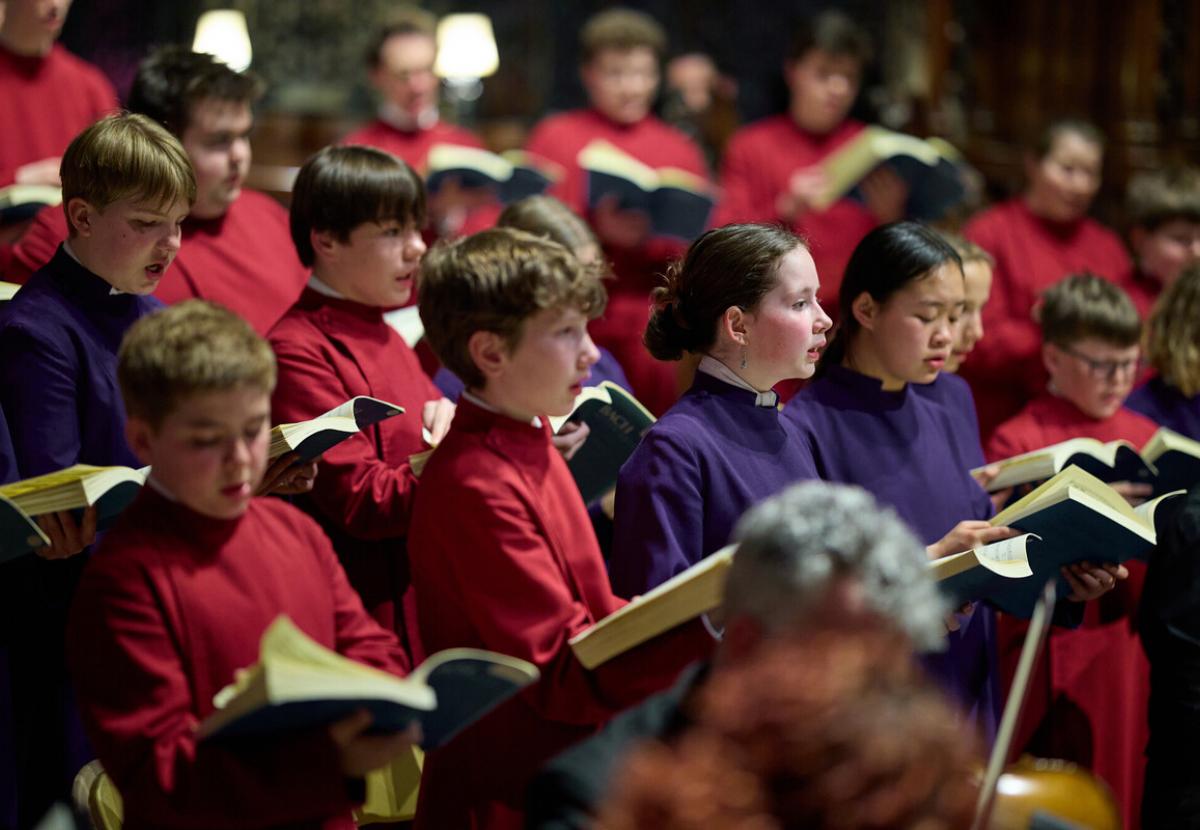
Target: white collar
<point x="484" y="405"/>
<point x="714" y="368"/>
<point x="391" y="114"/>
<point x="322" y="287"/>
<point x="112" y="291"/>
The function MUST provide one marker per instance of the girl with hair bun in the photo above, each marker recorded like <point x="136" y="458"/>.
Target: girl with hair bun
<point x="744" y="297"/>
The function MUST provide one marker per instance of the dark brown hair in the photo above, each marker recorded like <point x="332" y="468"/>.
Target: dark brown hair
<point x="340" y="188"/>
<point x="731" y="266"/>
<point x="1084" y="305"/>
<point x="621" y="29"/>
<point x="1162" y="196"/>
<point x="834" y="33"/>
<point x="173" y="79"/>
<point x="494" y="281"/>
<point x="405" y="20"/>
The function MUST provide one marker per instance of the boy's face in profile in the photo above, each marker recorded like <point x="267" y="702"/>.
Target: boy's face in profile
<point x="377" y="264"/>
<point x="622" y="83"/>
<point x="210" y="451"/>
<point x="131" y="243"/>
<point x="823" y="87"/>
<point x="1164" y="252"/>
<point x="1094" y="375"/>
<point x="217" y="140"/>
<point x="545" y="371"/>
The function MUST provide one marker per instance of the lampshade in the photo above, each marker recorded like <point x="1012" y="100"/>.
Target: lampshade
<point x="222" y="33"/>
<point x="466" y="47"/>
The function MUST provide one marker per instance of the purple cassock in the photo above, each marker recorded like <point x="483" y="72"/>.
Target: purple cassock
<point x="1167" y="406"/>
<point x="606" y="368"/>
<point x="8" y="461"/>
<point x="912" y="453"/>
<point x="954" y="394"/>
<point x="712" y="455"/>
<point x="58" y="388"/>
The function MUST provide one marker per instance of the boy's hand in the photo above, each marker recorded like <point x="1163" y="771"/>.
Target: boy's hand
<point x="1089" y="581"/>
<point x="968" y="535"/>
<point x="619" y="228"/>
<point x="67" y="537"/>
<point x="570" y="438"/>
<point x="362" y="753"/>
<point x="288" y="476"/>
<point x="1132" y="492"/>
<point x="805" y="187"/>
<point x="39" y="172"/>
<point x="436" y="417"/>
<point x="885" y="193"/>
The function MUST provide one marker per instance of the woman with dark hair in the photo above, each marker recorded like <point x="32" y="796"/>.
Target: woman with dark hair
<point x="745" y="299"/>
<point x="1037" y="239"/>
<point x="864" y="423"/>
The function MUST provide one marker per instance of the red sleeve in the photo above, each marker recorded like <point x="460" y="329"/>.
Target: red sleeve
<point x="548" y="140"/>
<point x="513" y="592"/>
<point x="133" y="692"/>
<point x="36" y="247"/>
<point x="354" y="487"/>
<point x="1010" y="439"/>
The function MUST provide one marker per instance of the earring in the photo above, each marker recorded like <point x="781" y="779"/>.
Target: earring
<point x="743" y="357"/>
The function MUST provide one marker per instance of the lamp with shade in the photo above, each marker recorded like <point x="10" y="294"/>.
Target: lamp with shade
<point x="466" y="53"/>
<point x="222" y="33"/>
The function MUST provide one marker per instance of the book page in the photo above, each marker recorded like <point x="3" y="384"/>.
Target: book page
<point x="1165" y="441"/>
<point x="603" y="157"/>
<point x="1008" y="557"/>
<point x="8" y="290"/>
<point x="452" y="156"/>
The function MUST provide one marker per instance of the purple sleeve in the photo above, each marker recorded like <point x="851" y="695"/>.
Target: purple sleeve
<point x="448" y="383"/>
<point x="658" y="527"/>
<point x="38" y="392"/>
<point x="607" y="368"/>
<point x="8" y="460"/>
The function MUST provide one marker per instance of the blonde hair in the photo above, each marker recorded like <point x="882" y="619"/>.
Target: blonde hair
<point x="969" y="251"/>
<point x="188" y="349"/>
<point x="548" y="217"/>
<point x="126" y="156"/>
<point x="1173" y="335"/>
<point x="621" y="29"/>
<point x="494" y="281"/>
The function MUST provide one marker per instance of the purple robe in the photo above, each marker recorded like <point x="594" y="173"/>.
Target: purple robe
<point x="953" y="393"/>
<point x="606" y="368"/>
<point x="58" y="388"/>
<point x="1167" y="406"/>
<point x="709" y="458"/>
<point x="911" y="453"/>
<point x="8" y="460"/>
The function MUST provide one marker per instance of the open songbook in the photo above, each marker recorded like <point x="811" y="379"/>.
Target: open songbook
<point x="678" y="203"/>
<point x="616" y="421"/>
<point x="1111" y="461"/>
<point x="1073" y="517"/>
<point x="308" y="439"/>
<point x="19" y="533"/>
<point x="513" y="174"/>
<point x="930" y="167"/>
<point x="1176" y="459"/>
<point x="299" y="684"/>
<point x="683" y="597"/>
<point x="19" y="202"/>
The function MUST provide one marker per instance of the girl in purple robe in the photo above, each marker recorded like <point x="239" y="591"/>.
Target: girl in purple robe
<point x="744" y="298"/>
<point x="1172" y="397"/>
<point x="901" y="301"/>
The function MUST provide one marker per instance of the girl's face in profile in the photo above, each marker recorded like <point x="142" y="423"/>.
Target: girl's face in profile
<point x="785" y="333"/>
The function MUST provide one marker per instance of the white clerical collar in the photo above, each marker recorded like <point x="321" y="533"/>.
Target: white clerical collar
<point x="391" y="114"/>
<point x="482" y="404"/>
<point x="324" y="288"/>
<point x="711" y="366"/>
<point x="112" y="292"/>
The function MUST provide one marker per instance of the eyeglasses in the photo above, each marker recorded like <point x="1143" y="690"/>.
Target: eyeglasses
<point x="1105" y="369"/>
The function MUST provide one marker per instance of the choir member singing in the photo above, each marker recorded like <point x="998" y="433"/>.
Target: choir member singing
<point x="1172" y="397"/>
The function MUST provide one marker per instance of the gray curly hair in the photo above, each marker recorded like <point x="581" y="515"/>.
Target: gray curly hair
<point x="791" y="546"/>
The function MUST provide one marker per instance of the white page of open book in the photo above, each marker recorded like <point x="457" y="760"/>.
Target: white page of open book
<point x="1008" y="557"/>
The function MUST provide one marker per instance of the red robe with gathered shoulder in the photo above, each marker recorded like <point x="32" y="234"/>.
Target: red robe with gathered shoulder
<point x="328" y="351"/>
<point x="656" y="144"/>
<point x="758" y="165"/>
<point x="243" y="260"/>
<point x="1089" y="696"/>
<point x="172" y="604"/>
<point x="505" y="558"/>
<point x="44" y="103"/>
<point x="1005" y="370"/>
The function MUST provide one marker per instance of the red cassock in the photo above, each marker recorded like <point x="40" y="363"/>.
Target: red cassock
<point x="171" y="605"/>
<point x="504" y="558"/>
<point x="759" y="163"/>
<point x="45" y="102"/>
<point x="560" y="138"/>
<point x="330" y="350"/>
<point x="1088" y="698"/>
<point x="1005" y="370"/>
<point x="243" y="260"/>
